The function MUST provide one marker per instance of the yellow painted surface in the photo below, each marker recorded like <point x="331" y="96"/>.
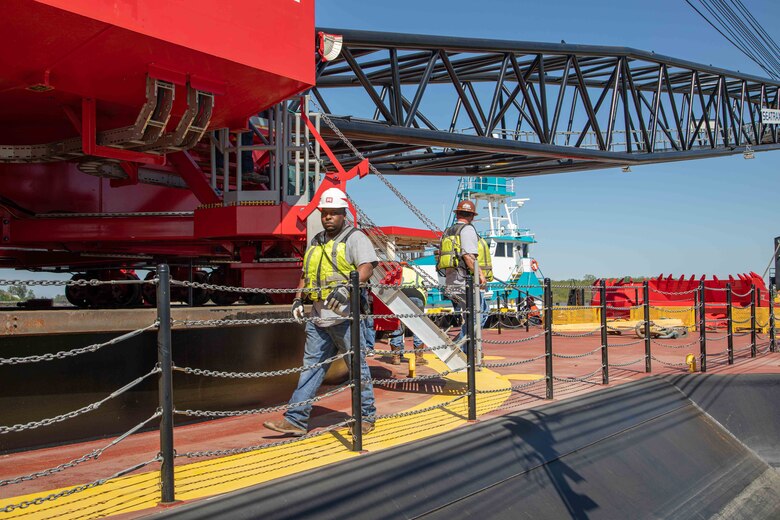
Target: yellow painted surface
<point x="686" y="315"/>
<point x="492" y="358"/>
<point x="523" y="377"/>
<point x="575" y="315"/>
<point x="210" y="477"/>
<point x="626" y="325"/>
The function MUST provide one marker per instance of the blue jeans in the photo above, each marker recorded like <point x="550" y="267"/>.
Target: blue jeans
<point x="369" y="333"/>
<point x="397" y="336"/>
<point x="483" y="317"/>
<point x="321" y="344"/>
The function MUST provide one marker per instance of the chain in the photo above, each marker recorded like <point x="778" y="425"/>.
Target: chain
<point x="253" y="375"/>
<point x="417" y="412"/>
<point x="400" y="316"/>
<point x="255" y="321"/>
<point x="77" y="351"/>
<point x="230" y="288"/>
<point x="418" y="378"/>
<point x="717" y="338"/>
<point x="79" y="283"/>
<point x="715" y="288"/>
<point x="239" y="413"/>
<point x="256" y="447"/>
<point x="584" y="334"/>
<point x="740" y="321"/>
<point x="742" y="295"/>
<point x="564" y="286"/>
<point x="668" y="310"/>
<point x="95" y="483"/>
<point x="419" y="214"/>
<point x="577" y="356"/>
<point x="513" y="363"/>
<point x="618" y="308"/>
<point x="498" y="283"/>
<point x="618" y="365"/>
<point x="441" y="287"/>
<point x="740" y="333"/>
<point x="628" y="344"/>
<point x="377" y="235"/>
<point x="512" y="388"/>
<point x="75" y="413"/>
<point x="582" y="379"/>
<point x="668" y="363"/>
<point x="673" y="293"/>
<point x="414" y="350"/>
<point x="666" y="345"/>
<point x="92" y="455"/>
<point x="510" y="341"/>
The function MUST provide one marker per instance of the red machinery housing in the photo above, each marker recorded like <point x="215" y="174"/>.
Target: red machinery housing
<point x="681" y="292"/>
<point x="121" y="125"/>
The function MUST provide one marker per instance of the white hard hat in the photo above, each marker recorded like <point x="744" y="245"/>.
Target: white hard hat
<point x="333" y="198"/>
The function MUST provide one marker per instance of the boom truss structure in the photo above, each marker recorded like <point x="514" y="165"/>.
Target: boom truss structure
<point x="521" y="108"/>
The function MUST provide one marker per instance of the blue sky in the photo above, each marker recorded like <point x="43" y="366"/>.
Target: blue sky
<point x="713" y="216"/>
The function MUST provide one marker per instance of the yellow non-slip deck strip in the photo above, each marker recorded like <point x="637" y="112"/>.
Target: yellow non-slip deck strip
<point x="220" y="475"/>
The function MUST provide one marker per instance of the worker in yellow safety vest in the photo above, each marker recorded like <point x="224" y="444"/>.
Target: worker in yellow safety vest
<point x="460" y="250"/>
<point x="412" y="286"/>
<point x="332" y="255"/>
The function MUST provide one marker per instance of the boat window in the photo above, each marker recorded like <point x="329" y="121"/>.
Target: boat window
<point x="500" y="249"/>
<point x="510" y="250"/>
<point x="525" y="250"/>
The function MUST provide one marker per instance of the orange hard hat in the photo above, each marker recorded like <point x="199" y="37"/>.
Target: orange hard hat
<point x="466" y="206"/>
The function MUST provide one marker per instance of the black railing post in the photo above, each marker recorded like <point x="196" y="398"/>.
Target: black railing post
<point x="729" y="324"/>
<point x="646" y="318"/>
<point x="498" y="311"/>
<point x="772" y="345"/>
<point x="165" y="386"/>
<point x="702" y="327"/>
<point x="355" y="362"/>
<point x="604" y="353"/>
<point x="471" y="374"/>
<point x="548" y="352"/>
<point x="752" y="320"/>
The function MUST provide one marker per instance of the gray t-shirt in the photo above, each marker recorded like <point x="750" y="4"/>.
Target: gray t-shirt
<point x="469" y="244"/>
<point x="359" y="250"/>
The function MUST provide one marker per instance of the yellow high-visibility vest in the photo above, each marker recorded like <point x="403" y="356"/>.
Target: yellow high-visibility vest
<point x="450" y="252"/>
<point x="410" y="279"/>
<point x="325" y="264"/>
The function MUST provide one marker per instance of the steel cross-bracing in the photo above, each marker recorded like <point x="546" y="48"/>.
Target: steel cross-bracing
<point x="522" y="108"/>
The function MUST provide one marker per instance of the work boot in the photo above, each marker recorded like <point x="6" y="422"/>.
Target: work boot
<point x="396" y="357"/>
<point x="285" y="426"/>
<point x="367" y="427"/>
<point x="420" y="360"/>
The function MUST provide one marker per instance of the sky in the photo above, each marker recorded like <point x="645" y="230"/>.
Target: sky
<point x="712" y="216"/>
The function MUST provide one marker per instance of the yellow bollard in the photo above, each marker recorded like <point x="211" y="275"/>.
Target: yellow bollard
<point x="412" y="364"/>
<point x="690" y="360"/>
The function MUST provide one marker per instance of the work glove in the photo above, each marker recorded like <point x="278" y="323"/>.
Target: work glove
<point x="337" y="299"/>
<point x="297" y="309"/>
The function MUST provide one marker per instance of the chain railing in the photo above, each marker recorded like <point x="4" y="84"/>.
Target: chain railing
<point x="95" y="454"/>
<point x="550" y="336"/>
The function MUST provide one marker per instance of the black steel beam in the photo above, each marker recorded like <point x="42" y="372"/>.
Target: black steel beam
<point x="501" y="84"/>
